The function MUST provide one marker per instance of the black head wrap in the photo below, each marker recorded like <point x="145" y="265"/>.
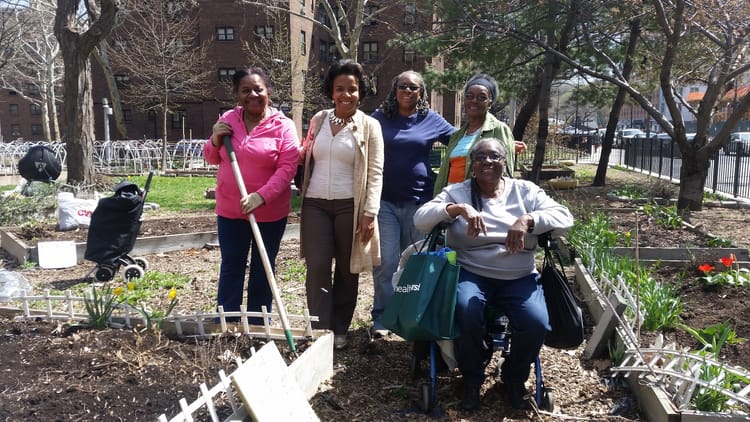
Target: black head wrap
<point x="486" y="81"/>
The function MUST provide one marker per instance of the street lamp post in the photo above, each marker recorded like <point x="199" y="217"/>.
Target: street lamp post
<point x="107" y="112"/>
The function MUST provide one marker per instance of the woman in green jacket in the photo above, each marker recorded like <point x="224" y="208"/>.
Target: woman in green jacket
<point x="479" y="95"/>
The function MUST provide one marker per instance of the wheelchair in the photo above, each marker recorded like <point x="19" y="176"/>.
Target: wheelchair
<point x="497" y="339"/>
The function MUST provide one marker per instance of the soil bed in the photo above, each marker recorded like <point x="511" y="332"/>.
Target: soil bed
<point x="57" y="372"/>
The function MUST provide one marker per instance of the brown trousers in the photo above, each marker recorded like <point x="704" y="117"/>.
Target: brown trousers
<point x="327" y="237"/>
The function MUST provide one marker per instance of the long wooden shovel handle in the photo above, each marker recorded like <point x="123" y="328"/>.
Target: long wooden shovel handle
<point x="260" y="245"/>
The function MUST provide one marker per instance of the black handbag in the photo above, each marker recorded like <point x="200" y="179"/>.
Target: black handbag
<point x="565" y="316"/>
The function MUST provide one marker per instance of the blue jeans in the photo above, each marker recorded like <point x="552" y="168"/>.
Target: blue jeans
<point x="397" y="231"/>
<point x="235" y="239"/>
<point x="522" y="301"/>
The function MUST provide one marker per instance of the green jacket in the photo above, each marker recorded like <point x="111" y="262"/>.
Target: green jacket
<point x="492" y="128"/>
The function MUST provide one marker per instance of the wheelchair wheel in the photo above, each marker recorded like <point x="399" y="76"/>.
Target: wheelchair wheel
<point x="104" y="273"/>
<point x="425" y="403"/>
<point x="141" y="261"/>
<point x="548" y="400"/>
<point x="132" y="272"/>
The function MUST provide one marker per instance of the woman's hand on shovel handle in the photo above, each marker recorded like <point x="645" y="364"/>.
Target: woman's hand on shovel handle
<point x="251" y="202"/>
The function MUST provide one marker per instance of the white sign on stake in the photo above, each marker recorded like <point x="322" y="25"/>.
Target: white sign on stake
<point x="268" y="388"/>
<point x="58" y="254"/>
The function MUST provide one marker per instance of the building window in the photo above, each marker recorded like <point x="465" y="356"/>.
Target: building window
<point x="35" y="109"/>
<point x="13" y="109"/>
<point x="322" y="17"/>
<point x="409" y="55"/>
<point x="15" y="130"/>
<point x="177" y="119"/>
<point x="122" y="81"/>
<point x="32" y="89"/>
<point x="225" y="33"/>
<point x="303" y="42"/>
<point x="327" y="52"/>
<point x="370" y="52"/>
<point x="127" y="115"/>
<point x="265" y="32"/>
<point x="225" y="74"/>
<point x="302" y="7"/>
<point x="36" y="130"/>
<point x="410" y="13"/>
<point x="369" y="18"/>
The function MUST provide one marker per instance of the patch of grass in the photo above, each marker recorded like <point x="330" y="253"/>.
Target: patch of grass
<point x="5" y="188"/>
<point x="629" y="191"/>
<point x="178" y="193"/>
<point x="186" y="193"/>
<point x="585" y="174"/>
<point x="153" y="284"/>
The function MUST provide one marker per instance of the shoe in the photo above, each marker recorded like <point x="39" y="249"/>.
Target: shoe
<point x="517" y="395"/>
<point x="340" y="341"/>
<point x="379" y="332"/>
<point x="470" y="399"/>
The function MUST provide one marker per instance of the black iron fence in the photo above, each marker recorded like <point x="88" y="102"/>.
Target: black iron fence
<point x="729" y="171"/>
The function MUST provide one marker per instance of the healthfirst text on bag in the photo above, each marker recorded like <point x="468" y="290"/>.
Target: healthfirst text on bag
<point x="424" y="300"/>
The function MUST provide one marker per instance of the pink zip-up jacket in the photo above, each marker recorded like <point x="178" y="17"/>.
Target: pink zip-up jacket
<point x="267" y="158"/>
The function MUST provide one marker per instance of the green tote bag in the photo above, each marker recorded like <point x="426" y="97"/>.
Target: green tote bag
<point x="424" y="301"/>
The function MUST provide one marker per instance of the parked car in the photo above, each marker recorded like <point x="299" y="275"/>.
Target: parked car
<point x="627" y="134"/>
<point x="738" y="142"/>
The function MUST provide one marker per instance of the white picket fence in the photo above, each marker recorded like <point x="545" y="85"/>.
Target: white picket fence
<point x="208" y="399"/>
<point x="677" y="371"/>
<point x="67" y="307"/>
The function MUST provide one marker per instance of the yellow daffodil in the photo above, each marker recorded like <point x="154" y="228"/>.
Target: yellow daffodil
<point x="118" y="291"/>
<point x="172" y="293"/>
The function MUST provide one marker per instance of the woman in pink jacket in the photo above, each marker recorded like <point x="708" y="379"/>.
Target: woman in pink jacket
<point x="267" y="149"/>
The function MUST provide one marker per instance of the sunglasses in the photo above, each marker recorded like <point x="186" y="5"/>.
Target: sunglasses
<point x="493" y="157"/>
<point x="412" y="88"/>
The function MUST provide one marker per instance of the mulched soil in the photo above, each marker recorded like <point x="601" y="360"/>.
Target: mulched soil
<point x="55" y="371"/>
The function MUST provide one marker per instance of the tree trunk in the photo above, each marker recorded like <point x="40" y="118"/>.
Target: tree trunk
<point x="692" y="181"/>
<point x="164" y="139"/>
<point x="76" y="47"/>
<point x="614" y="114"/>
<point x="78" y="133"/>
<point x="116" y="102"/>
<point x="526" y="112"/>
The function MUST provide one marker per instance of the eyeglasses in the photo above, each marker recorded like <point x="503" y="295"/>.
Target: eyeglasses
<point x="412" y="88"/>
<point x="472" y="97"/>
<point x="493" y="157"/>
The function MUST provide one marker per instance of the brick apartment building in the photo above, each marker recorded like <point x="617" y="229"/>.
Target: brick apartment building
<point x="227" y="24"/>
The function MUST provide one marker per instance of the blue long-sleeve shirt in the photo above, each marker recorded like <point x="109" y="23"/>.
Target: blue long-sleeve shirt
<point x="407" y="175"/>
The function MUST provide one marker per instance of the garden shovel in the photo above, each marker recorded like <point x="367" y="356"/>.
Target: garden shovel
<point x="260" y="245"/>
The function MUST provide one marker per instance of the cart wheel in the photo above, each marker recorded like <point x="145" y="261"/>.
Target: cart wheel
<point x="132" y="272"/>
<point x="104" y="273"/>
<point x="548" y="400"/>
<point x="141" y="261"/>
<point x="425" y="404"/>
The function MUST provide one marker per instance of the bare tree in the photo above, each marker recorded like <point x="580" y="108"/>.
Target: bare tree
<point x="76" y="43"/>
<point x="274" y="54"/>
<point x="342" y="20"/>
<point x="13" y="18"/>
<point x="37" y="63"/>
<point x="158" y="47"/>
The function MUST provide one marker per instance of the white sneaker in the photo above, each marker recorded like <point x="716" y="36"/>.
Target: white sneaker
<point x="340" y="341"/>
<point x="379" y="332"/>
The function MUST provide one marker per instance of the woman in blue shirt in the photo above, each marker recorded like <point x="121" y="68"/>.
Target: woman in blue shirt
<point x="409" y="130"/>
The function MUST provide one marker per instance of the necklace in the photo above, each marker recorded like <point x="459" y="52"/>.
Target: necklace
<point x="338" y="121"/>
